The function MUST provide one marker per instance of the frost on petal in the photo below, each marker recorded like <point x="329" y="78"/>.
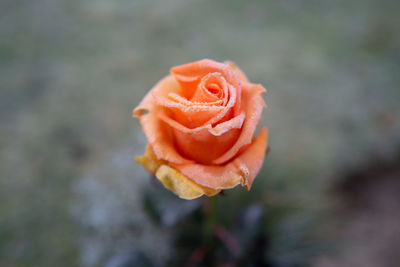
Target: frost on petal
<point x="197" y="111"/>
<point x="190" y="74"/>
<point x="189" y="115"/>
<point x="250" y="161"/>
<point x="212" y="87"/>
<point x="205" y="143"/>
<point x="253" y="106"/>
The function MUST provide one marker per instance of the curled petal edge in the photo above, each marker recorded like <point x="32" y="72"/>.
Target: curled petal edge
<point x="234" y="123"/>
<point x="253" y="104"/>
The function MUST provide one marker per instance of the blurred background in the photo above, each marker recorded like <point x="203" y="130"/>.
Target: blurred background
<point x="71" y="194"/>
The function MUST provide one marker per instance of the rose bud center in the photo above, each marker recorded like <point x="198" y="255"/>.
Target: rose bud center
<point x="212" y="87"/>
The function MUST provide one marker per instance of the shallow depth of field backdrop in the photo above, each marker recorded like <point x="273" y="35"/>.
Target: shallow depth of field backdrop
<point x="72" y="71"/>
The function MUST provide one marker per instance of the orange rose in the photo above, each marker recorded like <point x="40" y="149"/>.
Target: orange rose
<point x="199" y="122"/>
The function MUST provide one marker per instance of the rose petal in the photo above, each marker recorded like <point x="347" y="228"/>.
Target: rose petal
<point x="240" y="73"/>
<point x="160" y="137"/>
<point x="149" y="160"/>
<point x="157" y="132"/>
<point x="253" y="104"/>
<point x="203" y="147"/>
<point x="180" y="185"/>
<point x="191" y="143"/>
<point x="232" y="103"/>
<point x="180" y="99"/>
<point x="164" y="87"/>
<point x="191" y="116"/>
<point x="190" y="74"/>
<point x="250" y="161"/>
<point x="215" y="82"/>
<point x="171" y="178"/>
<point x="242" y="170"/>
<point x="218" y="130"/>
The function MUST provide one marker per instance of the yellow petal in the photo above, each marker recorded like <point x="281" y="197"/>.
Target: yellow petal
<point x="149" y="160"/>
<point x="172" y="179"/>
<point x="180" y="185"/>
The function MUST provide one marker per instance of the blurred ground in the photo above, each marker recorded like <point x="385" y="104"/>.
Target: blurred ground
<point x="370" y="220"/>
<point x="71" y="72"/>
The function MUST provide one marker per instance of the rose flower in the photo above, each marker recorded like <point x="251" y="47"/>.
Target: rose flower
<point x="199" y="122"/>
